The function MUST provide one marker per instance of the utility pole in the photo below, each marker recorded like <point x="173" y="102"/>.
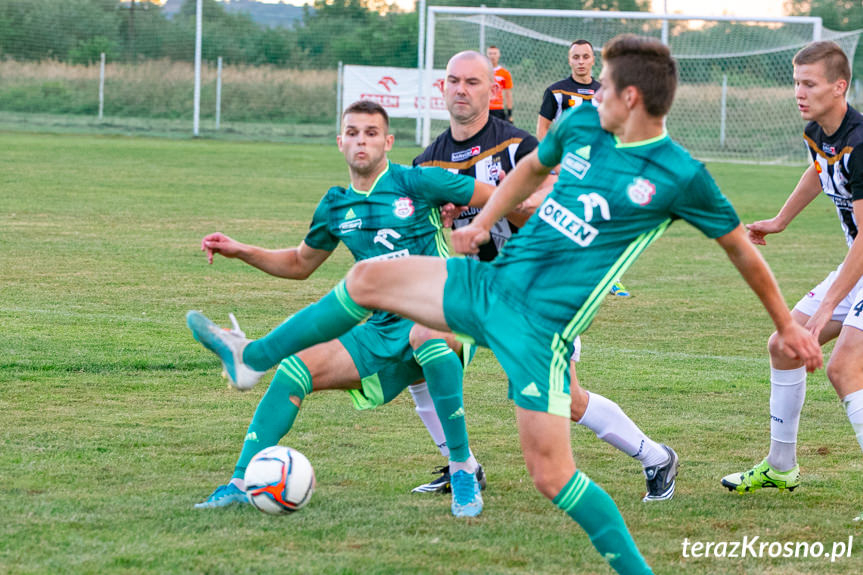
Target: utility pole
<point x="132" y="55"/>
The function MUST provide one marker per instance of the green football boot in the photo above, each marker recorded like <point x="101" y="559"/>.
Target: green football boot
<point x="763" y="475"/>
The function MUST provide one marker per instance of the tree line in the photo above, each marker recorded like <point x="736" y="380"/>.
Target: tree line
<point x="362" y="32"/>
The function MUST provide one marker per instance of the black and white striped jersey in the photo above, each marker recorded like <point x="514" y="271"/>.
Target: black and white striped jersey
<point x="838" y="159"/>
<point x="494" y="150"/>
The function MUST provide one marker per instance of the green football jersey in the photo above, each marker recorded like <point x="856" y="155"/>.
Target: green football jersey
<point x="397" y="217"/>
<point x="611" y="201"/>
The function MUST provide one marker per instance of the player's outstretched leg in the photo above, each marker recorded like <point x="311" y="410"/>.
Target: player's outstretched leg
<point x="228" y="344"/>
<point x="245" y="361"/>
<point x="273" y="418"/>
<point x="610" y="424"/>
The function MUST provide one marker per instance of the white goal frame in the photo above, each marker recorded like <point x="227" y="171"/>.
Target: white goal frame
<point x="434" y="11"/>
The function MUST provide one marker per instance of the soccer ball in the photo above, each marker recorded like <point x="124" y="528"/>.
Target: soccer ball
<point x="279" y="480"/>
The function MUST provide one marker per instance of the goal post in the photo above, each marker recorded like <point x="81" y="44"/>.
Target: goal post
<point x="735" y="99"/>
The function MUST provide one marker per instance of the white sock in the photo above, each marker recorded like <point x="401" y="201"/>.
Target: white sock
<point x="425" y="409"/>
<point x="612" y="425"/>
<point x="854" y="408"/>
<point x="470" y="465"/>
<point x="787" y="392"/>
<point x="239" y="483"/>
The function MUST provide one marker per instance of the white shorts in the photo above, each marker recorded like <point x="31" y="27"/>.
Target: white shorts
<point x="849" y="311"/>
<point x="576" y="349"/>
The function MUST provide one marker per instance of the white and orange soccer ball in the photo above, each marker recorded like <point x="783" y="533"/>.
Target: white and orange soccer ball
<point x="279" y="480"/>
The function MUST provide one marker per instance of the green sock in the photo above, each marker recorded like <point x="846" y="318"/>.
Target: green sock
<point x="330" y="317"/>
<point x="443" y="372"/>
<point x="275" y="414"/>
<point x="592" y="508"/>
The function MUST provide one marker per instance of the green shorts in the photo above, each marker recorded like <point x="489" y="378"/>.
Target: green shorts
<point x="534" y="358"/>
<point x="382" y="353"/>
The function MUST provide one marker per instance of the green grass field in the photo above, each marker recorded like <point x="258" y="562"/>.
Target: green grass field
<point x="115" y="421"/>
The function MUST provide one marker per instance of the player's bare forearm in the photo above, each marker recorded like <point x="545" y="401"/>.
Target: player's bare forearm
<point x="482" y="192"/>
<point x="757" y="274"/>
<point x="292" y="263"/>
<point x="807" y="189"/>
<point x="516" y="187"/>
<point x="522" y="212"/>
<point x="796" y="341"/>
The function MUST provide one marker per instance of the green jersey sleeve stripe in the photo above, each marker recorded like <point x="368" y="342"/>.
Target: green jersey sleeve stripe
<point x="585" y="314"/>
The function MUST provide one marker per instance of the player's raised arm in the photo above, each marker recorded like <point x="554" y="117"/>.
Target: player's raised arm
<point x="291" y="263"/>
<point x="798" y="342"/>
<point x="482" y="193"/>
<point x="806" y="190"/>
<point x="517" y="186"/>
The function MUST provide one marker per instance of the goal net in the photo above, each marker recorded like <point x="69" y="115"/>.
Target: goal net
<point x="735" y="101"/>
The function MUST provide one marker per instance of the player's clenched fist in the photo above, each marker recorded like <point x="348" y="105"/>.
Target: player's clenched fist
<point x="467" y="240"/>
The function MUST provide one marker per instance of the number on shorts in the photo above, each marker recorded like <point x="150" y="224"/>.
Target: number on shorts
<point x="858" y="308"/>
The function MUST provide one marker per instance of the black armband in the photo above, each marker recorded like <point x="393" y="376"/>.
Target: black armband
<point x="509" y="114"/>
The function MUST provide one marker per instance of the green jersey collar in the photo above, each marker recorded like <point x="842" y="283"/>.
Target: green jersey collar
<point x="378" y="179"/>
<point x="619" y="144"/>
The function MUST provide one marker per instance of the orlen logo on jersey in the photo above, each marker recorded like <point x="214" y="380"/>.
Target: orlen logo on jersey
<point x="403" y="208"/>
<point x="465" y="154"/>
<point x="567" y="223"/>
<point x="641" y="191"/>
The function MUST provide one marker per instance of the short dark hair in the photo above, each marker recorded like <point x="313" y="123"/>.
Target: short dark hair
<point x="581" y="42"/>
<point x="368" y="107"/>
<point x="492" y="46"/>
<point x="835" y="61"/>
<point x="646" y="64"/>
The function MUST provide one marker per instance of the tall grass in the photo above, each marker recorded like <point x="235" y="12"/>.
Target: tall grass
<point x="162" y="89"/>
